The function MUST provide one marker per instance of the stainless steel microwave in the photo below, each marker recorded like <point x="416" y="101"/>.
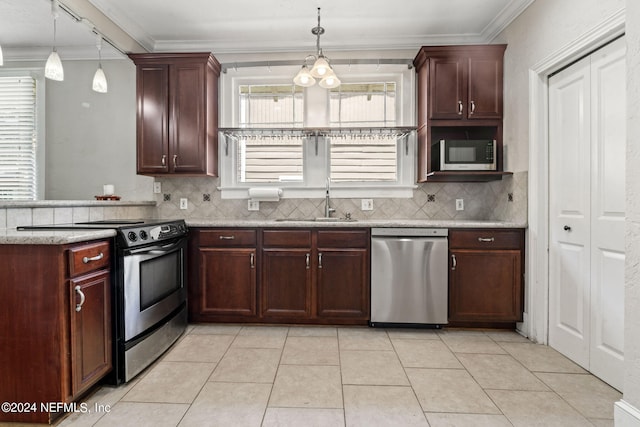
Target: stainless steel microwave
<point x="467" y="154"/>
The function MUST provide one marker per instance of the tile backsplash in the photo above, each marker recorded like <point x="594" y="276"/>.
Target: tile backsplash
<point x="482" y="201"/>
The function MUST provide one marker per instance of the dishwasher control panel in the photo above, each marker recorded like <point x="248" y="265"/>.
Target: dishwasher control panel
<point x="410" y="232"/>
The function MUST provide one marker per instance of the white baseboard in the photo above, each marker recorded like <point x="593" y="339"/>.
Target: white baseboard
<point x="626" y="415"/>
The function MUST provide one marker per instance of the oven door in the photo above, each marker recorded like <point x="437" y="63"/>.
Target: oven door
<point x="154" y="285"/>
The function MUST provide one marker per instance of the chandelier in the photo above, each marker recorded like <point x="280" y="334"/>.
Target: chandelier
<point x="321" y="69"/>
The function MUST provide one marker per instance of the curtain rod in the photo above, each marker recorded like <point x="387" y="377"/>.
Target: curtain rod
<point x="236" y="65"/>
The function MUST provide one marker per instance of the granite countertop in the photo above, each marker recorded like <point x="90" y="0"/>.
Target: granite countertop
<point x="12" y="236"/>
<point x="365" y="223"/>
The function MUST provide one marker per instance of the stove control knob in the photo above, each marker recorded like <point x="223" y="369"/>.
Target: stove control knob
<point x="144" y="235"/>
<point x="132" y="236"/>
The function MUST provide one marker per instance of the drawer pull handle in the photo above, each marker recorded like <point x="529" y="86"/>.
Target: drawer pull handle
<point x="320" y="260"/>
<point x="454" y="262"/>
<point x="164" y="160"/>
<point x="486" y="239"/>
<point x="307" y="261"/>
<point x="227" y="237"/>
<point x="82" y="298"/>
<point x="98" y="257"/>
<point x="252" y="260"/>
<point x="460" y="108"/>
<point x="473" y="107"/>
<point x="175" y="160"/>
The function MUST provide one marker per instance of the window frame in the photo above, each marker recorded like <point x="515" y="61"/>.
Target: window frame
<point x="40" y="102"/>
<point x="316" y="167"/>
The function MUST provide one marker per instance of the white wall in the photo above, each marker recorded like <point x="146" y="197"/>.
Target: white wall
<point x="91" y="137"/>
<point x="632" y="276"/>
<point x="542" y="29"/>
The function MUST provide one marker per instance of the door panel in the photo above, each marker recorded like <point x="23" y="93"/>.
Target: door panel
<point x="608" y="134"/>
<point x="569" y="215"/>
<point x="587" y="143"/>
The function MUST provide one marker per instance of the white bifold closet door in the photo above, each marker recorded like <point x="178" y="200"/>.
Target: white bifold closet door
<point x="587" y="140"/>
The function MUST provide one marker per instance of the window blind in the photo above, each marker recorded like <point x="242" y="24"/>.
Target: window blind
<point x="18" y="138"/>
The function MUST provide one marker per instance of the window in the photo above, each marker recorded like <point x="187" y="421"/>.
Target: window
<point x="18" y="138"/>
<point x="270" y="159"/>
<point x="363" y="158"/>
<point x="269" y="139"/>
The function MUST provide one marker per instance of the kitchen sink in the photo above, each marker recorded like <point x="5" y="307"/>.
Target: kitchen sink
<point x="318" y="219"/>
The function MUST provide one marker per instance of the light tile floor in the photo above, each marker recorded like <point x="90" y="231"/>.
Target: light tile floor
<point x="232" y="375"/>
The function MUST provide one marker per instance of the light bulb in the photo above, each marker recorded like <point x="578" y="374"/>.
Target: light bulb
<point x="320" y="68"/>
<point x="304" y="78"/>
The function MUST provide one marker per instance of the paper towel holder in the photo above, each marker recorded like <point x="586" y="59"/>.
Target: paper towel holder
<point x="265" y="194"/>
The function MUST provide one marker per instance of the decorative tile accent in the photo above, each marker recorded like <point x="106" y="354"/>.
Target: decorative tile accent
<point x="206" y="197"/>
<point x="431" y="197"/>
<point x="510" y="197"/>
<point x="167" y="197"/>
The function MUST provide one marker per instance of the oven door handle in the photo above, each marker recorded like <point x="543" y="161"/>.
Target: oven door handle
<point x="155" y="250"/>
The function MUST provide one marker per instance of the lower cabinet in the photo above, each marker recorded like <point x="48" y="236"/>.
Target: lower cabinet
<point x="279" y="275"/>
<point x="486" y="277"/>
<point x="55" y="324"/>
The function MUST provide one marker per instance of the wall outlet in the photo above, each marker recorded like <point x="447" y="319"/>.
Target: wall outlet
<point x="459" y="204"/>
<point x="366" y="204"/>
<point x="253" y="205"/>
<point x="184" y="203"/>
<point x="157" y="187"/>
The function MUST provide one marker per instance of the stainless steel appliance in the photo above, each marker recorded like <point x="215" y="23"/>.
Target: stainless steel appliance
<point x="149" y="289"/>
<point x="409" y="283"/>
<point x="466" y="154"/>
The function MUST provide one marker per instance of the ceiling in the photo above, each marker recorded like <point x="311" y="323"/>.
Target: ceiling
<point x="248" y="26"/>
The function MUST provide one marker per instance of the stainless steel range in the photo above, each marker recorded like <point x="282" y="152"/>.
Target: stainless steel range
<point x="149" y="289"/>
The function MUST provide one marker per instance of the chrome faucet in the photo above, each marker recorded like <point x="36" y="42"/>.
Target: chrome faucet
<point x="327" y="201"/>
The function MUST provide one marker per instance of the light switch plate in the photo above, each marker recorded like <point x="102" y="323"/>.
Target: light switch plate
<point x="253" y="205"/>
<point x="184" y="203"/>
<point x="157" y="187"/>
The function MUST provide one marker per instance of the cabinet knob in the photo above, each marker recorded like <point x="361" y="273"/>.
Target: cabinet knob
<point x="566" y="228"/>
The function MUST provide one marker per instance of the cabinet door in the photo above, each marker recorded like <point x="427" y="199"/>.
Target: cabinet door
<point x="447" y="88"/>
<point x="228" y="281"/>
<point x="90" y="307"/>
<point x="286" y="283"/>
<point x="188" y="125"/>
<point x="343" y="283"/>
<point x="152" y="116"/>
<point x="485" y="286"/>
<point x="485" y="88"/>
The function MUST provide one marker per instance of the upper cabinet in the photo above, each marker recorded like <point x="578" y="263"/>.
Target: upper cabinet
<point x="177" y="113"/>
<point x="460" y="91"/>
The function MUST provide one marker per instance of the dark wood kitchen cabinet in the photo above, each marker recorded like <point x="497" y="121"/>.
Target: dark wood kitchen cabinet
<point x="460" y="96"/>
<point x="55" y="324"/>
<point x="343" y="274"/>
<point x="279" y="275"/>
<point x="286" y="274"/>
<point x="486" y="283"/>
<point x="225" y="269"/>
<point x="177" y="113"/>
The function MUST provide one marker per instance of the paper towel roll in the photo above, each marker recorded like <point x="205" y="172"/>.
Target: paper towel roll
<point x="265" y="194"/>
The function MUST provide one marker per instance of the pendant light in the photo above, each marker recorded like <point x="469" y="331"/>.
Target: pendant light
<point x="99" y="79"/>
<point x="321" y="69"/>
<point x="53" y="69"/>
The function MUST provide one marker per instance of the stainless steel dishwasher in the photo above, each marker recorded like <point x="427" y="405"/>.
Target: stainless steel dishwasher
<point x="409" y="268"/>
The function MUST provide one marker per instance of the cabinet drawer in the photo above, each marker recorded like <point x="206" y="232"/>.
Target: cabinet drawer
<point x="90" y="257"/>
<point x="228" y="238"/>
<point x="343" y="238"/>
<point x="286" y="238"/>
<point x="485" y="239"/>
